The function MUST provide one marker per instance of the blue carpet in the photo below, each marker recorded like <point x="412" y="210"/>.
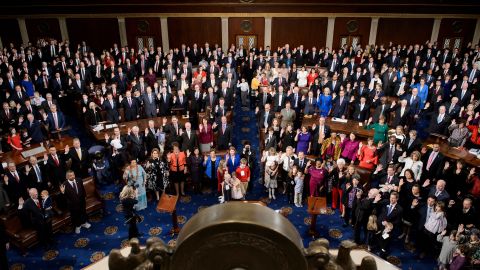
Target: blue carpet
<point x="76" y="251"/>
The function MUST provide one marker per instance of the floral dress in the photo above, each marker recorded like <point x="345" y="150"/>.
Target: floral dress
<point x="136" y="177"/>
<point x="157" y="175"/>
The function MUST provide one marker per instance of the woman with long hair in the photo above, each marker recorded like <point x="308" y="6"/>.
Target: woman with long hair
<point x="128" y="199"/>
<point x="157" y="173"/>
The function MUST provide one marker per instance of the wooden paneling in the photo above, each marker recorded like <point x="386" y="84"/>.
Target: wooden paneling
<point x="299" y="31"/>
<point x="456" y="28"/>
<point x="194" y="30"/>
<point x="345" y="27"/>
<point x="97" y="33"/>
<point x="43" y="28"/>
<point x="257" y="28"/>
<point x="143" y="27"/>
<point x="10" y="32"/>
<point x="231" y="6"/>
<point x="404" y="31"/>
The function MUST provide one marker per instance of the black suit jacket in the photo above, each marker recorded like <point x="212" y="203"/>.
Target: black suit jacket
<point x="395" y="216"/>
<point x="261" y="118"/>
<point x="79" y="166"/>
<point x="75" y="201"/>
<point x="189" y="143"/>
<point x="361" y="115"/>
<point x="16" y="189"/>
<point x="435" y="168"/>
<point x="35" y="214"/>
<point x="224" y="139"/>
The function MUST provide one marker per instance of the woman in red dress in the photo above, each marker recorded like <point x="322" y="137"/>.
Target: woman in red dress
<point x="200" y="71"/>
<point x="14" y="140"/>
<point x="311" y="77"/>
<point x="150" y="77"/>
<point x="367" y="156"/>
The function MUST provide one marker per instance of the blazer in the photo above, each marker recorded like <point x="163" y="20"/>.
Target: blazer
<point x="383" y="153"/>
<point x="435" y="168"/>
<point x="51" y="121"/>
<point x="288" y="116"/>
<point x="16" y="189"/>
<point x="79" y="165"/>
<point x="75" y="201"/>
<point x="149" y="108"/>
<point x="34" y="214"/>
<point x="359" y="114"/>
<point x="414" y="104"/>
<point x="130" y="111"/>
<point x="340" y="109"/>
<point x="395" y="216"/>
<point x="111" y="112"/>
<point x="436" y="127"/>
<point x="34" y="130"/>
<point x="189" y="143"/>
<point x="269" y="118"/>
<point x="232" y="165"/>
<point x="224" y="139"/>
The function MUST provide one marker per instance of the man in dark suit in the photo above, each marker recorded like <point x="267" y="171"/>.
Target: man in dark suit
<point x="313" y="57"/>
<point x="151" y="140"/>
<point x="389" y="152"/>
<point x="224" y="137"/>
<point x="361" y="111"/>
<point x="390" y="180"/>
<point x="363" y="211"/>
<point x="382" y="109"/>
<point x="412" y="143"/>
<point x="35" y="213"/>
<point x="393" y="60"/>
<point x="265" y="117"/>
<point x="439" y="191"/>
<point x="320" y="132"/>
<point x="34" y="129"/>
<point x="414" y="102"/>
<point x="110" y="106"/>
<point x="432" y="162"/>
<point x="55" y="165"/>
<point x="18" y="95"/>
<point x="78" y="85"/>
<point x="15" y="184"/>
<point x="209" y="99"/>
<point x="423" y="211"/>
<point x="439" y="121"/>
<point x="390" y="211"/>
<point x="388" y="81"/>
<point x="164" y="102"/>
<point x="173" y="130"/>
<point x="464" y="95"/>
<point x="189" y="138"/>
<point x="36" y="175"/>
<point x="136" y="144"/>
<point x="279" y="100"/>
<point x="333" y="65"/>
<point x="149" y="101"/>
<point x="401" y="115"/>
<point x="7" y="116"/>
<point x="180" y="102"/>
<point x="453" y="108"/>
<point x="334" y="84"/>
<point x="263" y="98"/>
<point x="131" y="108"/>
<point x="79" y="157"/>
<point x="54" y="119"/>
<point x="340" y="105"/>
<point x="75" y="195"/>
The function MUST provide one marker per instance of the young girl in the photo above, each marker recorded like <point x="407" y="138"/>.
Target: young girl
<point x="298" y="189"/>
<point x="449" y="245"/>
<point x="271" y="173"/>
<point x="237" y="189"/>
<point x="372" y="228"/>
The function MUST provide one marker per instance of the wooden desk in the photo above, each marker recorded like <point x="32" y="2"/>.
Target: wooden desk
<point x="349" y="126"/>
<point x="141" y="123"/>
<point x="16" y="156"/>
<point x="453" y="152"/>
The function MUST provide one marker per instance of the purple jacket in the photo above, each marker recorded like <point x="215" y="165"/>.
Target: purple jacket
<point x="349" y="149"/>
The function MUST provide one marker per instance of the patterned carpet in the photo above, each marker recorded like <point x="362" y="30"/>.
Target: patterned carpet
<point x="77" y="251"/>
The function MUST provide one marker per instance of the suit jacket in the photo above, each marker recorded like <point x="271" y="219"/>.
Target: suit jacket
<point x="261" y="118"/>
<point x="340" y="109"/>
<point x="384" y="152"/>
<point x="466" y="97"/>
<point x="79" y="165"/>
<point x="56" y="173"/>
<point x="414" y="103"/>
<point x="149" y="108"/>
<point x="78" y="89"/>
<point x="442" y="196"/>
<point x="410" y="147"/>
<point x="378" y="112"/>
<point x="436" y="127"/>
<point x="279" y="103"/>
<point x="34" y="214"/>
<point x="455" y="110"/>
<point x="75" y="201"/>
<point x="130" y="110"/>
<point x="34" y="130"/>
<point x="165" y="104"/>
<point x="136" y="146"/>
<point x="359" y="114"/>
<point x="189" y="143"/>
<point x="224" y="139"/>
<point x="51" y="121"/>
<point x="309" y="107"/>
<point x="399" y="119"/>
<point x="435" y="168"/>
<point x="16" y="189"/>
<point x="395" y="216"/>
<point x="39" y="182"/>
<point x="112" y="113"/>
<point x="287" y="117"/>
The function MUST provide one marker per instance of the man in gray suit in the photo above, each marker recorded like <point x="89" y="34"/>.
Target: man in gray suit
<point x="149" y="103"/>
<point x="288" y="115"/>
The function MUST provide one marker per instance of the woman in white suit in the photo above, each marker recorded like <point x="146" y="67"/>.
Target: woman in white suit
<point x="302" y="77"/>
<point x="413" y="163"/>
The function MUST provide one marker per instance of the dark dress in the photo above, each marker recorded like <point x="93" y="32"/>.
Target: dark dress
<point x="195" y="168"/>
<point x="128" y="205"/>
<point x="288" y="140"/>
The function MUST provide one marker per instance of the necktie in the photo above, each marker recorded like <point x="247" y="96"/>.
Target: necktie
<point x="301" y="163"/>
<point x="429" y="212"/>
<point x="439" y="118"/>
<point x="390" y="208"/>
<point x="15" y="174"/>
<point x="37" y="172"/>
<point x="74" y="185"/>
<point x="129" y="102"/>
<point x="411" y="100"/>
<point x="472" y="76"/>
<point x="390" y="154"/>
<point x="55" y="120"/>
<point x="55" y="159"/>
<point x="79" y="153"/>
<point x="430" y="160"/>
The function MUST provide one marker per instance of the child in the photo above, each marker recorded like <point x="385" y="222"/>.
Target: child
<point x="372" y="228"/>
<point x="459" y="259"/>
<point x="271" y="173"/>
<point x="449" y="245"/>
<point x="243" y="174"/>
<point x="384" y="238"/>
<point x="227" y="186"/>
<point x="47" y="204"/>
<point x="298" y="189"/>
<point x="101" y="168"/>
<point x="237" y="189"/>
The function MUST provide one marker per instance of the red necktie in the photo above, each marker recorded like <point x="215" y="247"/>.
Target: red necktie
<point x="38" y="204"/>
<point x="16" y="177"/>
<point x="56" y="160"/>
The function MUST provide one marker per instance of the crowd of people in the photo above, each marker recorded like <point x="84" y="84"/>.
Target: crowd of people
<point x="409" y="192"/>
